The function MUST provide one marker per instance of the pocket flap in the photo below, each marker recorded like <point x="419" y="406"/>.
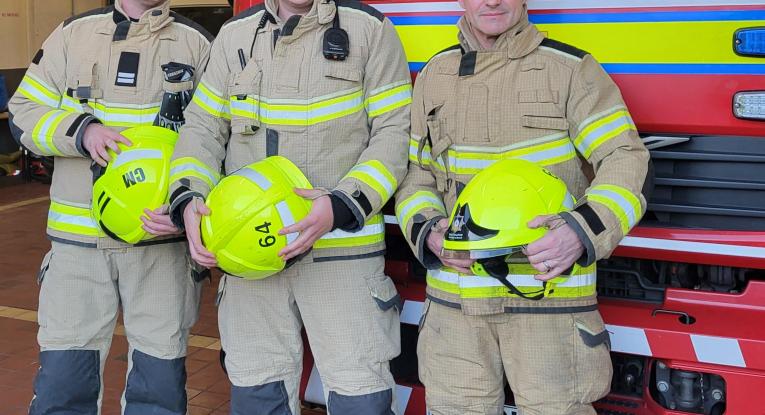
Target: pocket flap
<point x="347" y="72"/>
<point x="532" y="66"/>
<point x="384" y="292"/>
<point x="44" y="266"/>
<point x="549" y="123"/>
<point x="592" y="330"/>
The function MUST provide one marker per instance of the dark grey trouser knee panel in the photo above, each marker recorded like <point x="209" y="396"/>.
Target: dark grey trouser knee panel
<point x="67" y="383"/>
<point x="377" y="403"/>
<point x="268" y="399"/>
<point x="156" y="386"/>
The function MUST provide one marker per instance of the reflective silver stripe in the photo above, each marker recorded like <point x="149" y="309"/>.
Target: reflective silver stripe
<point x="367" y="230"/>
<point x="131" y="155"/>
<point x="285" y="215"/>
<point x="212" y="104"/>
<point x="40" y="137"/>
<point x="72" y="219"/>
<point x="34" y="91"/>
<point x="312" y="113"/>
<point x="379" y="177"/>
<point x="109" y="115"/>
<point x="413" y="149"/>
<point x="619" y="200"/>
<point x="397" y="97"/>
<point x="604" y="129"/>
<point x="473" y="281"/>
<point x="255" y="177"/>
<point x="539" y="156"/>
<point x="404" y="212"/>
<point x="190" y="166"/>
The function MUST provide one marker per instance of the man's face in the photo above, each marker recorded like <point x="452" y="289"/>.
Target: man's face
<point x="303" y="5"/>
<point x="145" y="4"/>
<point x="492" y="17"/>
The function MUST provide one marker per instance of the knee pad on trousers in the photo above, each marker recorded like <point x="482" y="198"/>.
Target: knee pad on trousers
<point x="269" y="399"/>
<point x="156" y="386"/>
<point x="377" y="403"/>
<point x="67" y="381"/>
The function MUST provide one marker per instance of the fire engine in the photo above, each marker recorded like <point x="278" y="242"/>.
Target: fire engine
<point x="683" y="296"/>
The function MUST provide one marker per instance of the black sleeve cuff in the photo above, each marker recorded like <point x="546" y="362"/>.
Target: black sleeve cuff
<point x="178" y="202"/>
<point x="588" y="257"/>
<point x="342" y="215"/>
<point x="356" y="221"/>
<point x="81" y="133"/>
<point x="428" y="259"/>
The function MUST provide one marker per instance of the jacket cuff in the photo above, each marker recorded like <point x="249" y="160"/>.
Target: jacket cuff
<point x="178" y="201"/>
<point x="342" y="216"/>
<point x="81" y="133"/>
<point x="589" y="256"/>
<point x="420" y="233"/>
<point x="356" y="223"/>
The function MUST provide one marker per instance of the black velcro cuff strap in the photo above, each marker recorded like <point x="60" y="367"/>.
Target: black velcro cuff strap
<point x="592" y="218"/>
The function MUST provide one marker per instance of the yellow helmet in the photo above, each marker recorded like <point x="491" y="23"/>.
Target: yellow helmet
<point x="249" y="207"/>
<point x="490" y="217"/>
<point x="135" y="179"/>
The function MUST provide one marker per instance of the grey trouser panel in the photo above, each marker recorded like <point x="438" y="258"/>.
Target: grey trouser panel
<point x="81" y="292"/>
<point x="349" y="311"/>
<point x="556" y="364"/>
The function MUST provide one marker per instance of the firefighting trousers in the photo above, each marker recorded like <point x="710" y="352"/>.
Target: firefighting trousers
<point x="350" y="312"/>
<point x="556" y="364"/>
<point x="81" y="293"/>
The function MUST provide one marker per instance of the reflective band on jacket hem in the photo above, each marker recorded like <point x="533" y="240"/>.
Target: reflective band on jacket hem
<point x="372" y="233"/>
<point x="124" y="115"/>
<point x="71" y="219"/>
<point x="298" y="112"/>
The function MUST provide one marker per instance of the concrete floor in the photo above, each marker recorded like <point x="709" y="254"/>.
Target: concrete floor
<point x="23" y="212"/>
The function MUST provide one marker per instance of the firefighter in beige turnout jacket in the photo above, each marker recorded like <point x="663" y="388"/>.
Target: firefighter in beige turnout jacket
<point x="99" y="73"/>
<point x="345" y="124"/>
<point x="507" y="92"/>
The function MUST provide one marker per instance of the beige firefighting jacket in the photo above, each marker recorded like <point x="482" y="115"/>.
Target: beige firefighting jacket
<point x="345" y="124"/>
<point x="535" y="99"/>
<point x="98" y="67"/>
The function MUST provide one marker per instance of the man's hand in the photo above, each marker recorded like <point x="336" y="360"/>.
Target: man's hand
<point x="318" y="222"/>
<point x="557" y="250"/>
<point x="192" y="217"/>
<point x="98" y="138"/>
<point x="157" y="222"/>
<point x="435" y="243"/>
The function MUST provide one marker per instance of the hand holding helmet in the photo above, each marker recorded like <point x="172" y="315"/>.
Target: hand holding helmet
<point x="557" y="250"/>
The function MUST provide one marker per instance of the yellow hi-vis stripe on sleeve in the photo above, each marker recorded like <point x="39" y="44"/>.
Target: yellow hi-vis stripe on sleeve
<point x="191" y="167"/>
<point x="579" y="284"/>
<point x="598" y="129"/>
<point x="374" y="174"/>
<point x="45" y="130"/>
<point x="71" y="219"/>
<point x="211" y="101"/>
<point x="623" y="203"/>
<point x="406" y="210"/>
<point x="38" y="91"/>
<point x="388" y="98"/>
<point x="302" y="112"/>
<point x="372" y="233"/>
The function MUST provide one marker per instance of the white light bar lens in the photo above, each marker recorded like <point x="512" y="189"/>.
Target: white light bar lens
<point x="750" y="105"/>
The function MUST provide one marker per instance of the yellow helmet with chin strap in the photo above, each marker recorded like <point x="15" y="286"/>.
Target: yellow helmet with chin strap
<point x="249" y="207"/>
<point x="490" y="217"/>
<point x="135" y="179"/>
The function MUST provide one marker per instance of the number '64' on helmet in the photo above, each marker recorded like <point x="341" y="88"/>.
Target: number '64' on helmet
<point x="135" y="179"/>
<point x="249" y="207"/>
<point x="491" y="213"/>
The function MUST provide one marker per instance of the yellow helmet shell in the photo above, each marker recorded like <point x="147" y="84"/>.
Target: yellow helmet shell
<point x="491" y="213"/>
<point x="135" y="179"/>
<point x="249" y="207"/>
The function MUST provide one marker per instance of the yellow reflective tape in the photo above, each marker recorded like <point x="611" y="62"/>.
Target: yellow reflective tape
<point x="600" y="130"/>
<point x="38" y="91"/>
<point x="70" y="104"/>
<point x="191" y="167"/>
<point x="623" y="203"/>
<point x="71" y="219"/>
<point x="372" y="233"/>
<point x="298" y="112"/>
<point x="45" y="130"/>
<point x="211" y="102"/>
<point x="554" y="289"/>
<point x="374" y="174"/>
<point x="388" y="100"/>
<point x="415" y="203"/>
<point x="414" y="148"/>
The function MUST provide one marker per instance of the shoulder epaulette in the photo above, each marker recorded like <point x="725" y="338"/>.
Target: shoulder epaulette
<point x="564" y="47"/>
<point x="246" y="13"/>
<point x="357" y="5"/>
<point x="102" y="10"/>
<point x="181" y="19"/>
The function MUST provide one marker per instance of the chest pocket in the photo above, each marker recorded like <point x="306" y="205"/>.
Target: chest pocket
<point x="245" y="100"/>
<point x="539" y="108"/>
<point x="439" y="141"/>
<point x="83" y="88"/>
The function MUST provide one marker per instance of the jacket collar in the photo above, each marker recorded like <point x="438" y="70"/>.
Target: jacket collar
<point x="151" y="21"/>
<point x="518" y="41"/>
<point x="321" y="12"/>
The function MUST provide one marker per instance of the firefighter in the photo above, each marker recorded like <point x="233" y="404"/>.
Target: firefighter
<point x="97" y="74"/>
<point x="325" y="84"/>
<point x="505" y="91"/>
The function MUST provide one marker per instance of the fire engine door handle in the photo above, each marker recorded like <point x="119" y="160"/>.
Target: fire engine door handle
<point x="684" y="318"/>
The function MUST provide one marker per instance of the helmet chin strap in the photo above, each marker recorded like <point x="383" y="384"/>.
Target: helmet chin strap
<point x="497" y="268"/>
